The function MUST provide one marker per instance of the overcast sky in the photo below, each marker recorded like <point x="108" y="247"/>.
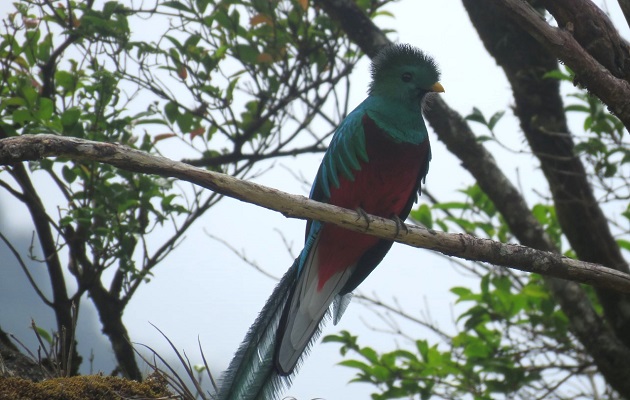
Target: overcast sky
<point x="203" y="290"/>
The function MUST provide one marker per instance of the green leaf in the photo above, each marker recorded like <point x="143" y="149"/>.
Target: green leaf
<point x="192" y="41"/>
<point x="356" y="364"/>
<point x="381" y="373"/>
<point x="68" y="174"/>
<point x="22" y="116"/>
<point x="536" y="291"/>
<point x="423" y="215"/>
<point x="45" y="109"/>
<point x="223" y="20"/>
<point x="12" y="101"/>
<point x="383" y="13"/>
<point x="541" y="212"/>
<point x="202" y="5"/>
<point x="477" y="116"/>
<point x="185" y="122"/>
<point x="46" y="164"/>
<point x="484" y="138"/>
<point x="42" y="333"/>
<point x="624" y="244"/>
<point x="44" y="48"/>
<point x="363" y="4"/>
<point x="30" y="95"/>
<point x="485" y="284"/>
<point x="502" y="283"/>
<point x="70" y="122"/>
<point x="557" y="74"/>
<point x="443" y="226"/>
<point x="463" y="223"/>
<point x="65" y="80"/>
<point x="32" y="37"/>
<point x="464" y="294"/>
<point x="176" y="5"/>
<point x="453" y="205"/>
<point x="477" y="349"/>
<point x="172" y="111"/>
<point x="109" y="8"/>
<point x="577" y="107"/>
<point x="175" y="56"/>
<point x="389" y="360"/>
<point x="494" y="119"/>
<point x="423" y="348"/>
<point x="246" y="53"/>
<point x="229" y="94"/>
<point x="370" y="354"/>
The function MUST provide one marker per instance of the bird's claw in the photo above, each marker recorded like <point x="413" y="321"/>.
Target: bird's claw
<point x="400" y="224"/>
<point x="362" y="214"/>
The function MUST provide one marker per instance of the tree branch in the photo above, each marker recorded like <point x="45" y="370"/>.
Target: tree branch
<point x="358" y="26"/>
<point x="595" y="335"/>
<point x="625" y="8"/>
<point x="61" y="304"/>
<point x="28" y="274"/>
<point x="539" y="107"/>
<point x="35" y="147"/>
<point x="595" y="32"/>
<point x="230" y="158"/>
<point x="598" y="80"/>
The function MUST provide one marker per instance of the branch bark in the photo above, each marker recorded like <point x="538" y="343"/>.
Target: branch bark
<point x="35" y="147"/>
<point x="625" y="8"/>
<point x="541" y="113"/>
<point x="613" y="91"/>
<point x="61" y="303"/>
<point x="110" y="310"/>
<point x="609" y="353"/>
<point x="359" y="28"/>
<point x="594" y="31"/>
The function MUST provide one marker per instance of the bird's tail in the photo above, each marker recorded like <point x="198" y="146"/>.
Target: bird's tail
<point x="252" y="373"/>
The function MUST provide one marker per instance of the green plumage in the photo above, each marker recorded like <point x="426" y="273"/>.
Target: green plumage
<point x="376" y="160"/>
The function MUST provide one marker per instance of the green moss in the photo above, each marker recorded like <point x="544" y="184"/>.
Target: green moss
<point x="90" y="387"/>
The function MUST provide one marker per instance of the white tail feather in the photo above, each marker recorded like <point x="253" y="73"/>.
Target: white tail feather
<point x="251" y="374"/>
<point x="307" y="309"/>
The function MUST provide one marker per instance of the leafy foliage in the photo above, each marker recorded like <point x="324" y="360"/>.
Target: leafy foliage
<point x="458" y="215"/>
<point x="222" y="83"/>
<point x="511" y="339"/>
<point x="225" y="84"/>
<point x="603" y="144"/>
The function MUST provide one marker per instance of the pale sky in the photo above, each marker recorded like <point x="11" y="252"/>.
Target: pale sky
<point x="203" y="290"/>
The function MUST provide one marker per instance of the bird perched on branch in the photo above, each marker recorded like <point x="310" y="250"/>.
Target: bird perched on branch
<point x="376" y="161"/>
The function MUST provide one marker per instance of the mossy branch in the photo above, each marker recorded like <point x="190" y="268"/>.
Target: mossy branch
<point x="35" y="147"/>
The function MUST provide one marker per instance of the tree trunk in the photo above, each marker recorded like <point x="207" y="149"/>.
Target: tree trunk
<point x="607" y="349"/>
<point x="61" y="303"/>
<point x="110" y="311"/>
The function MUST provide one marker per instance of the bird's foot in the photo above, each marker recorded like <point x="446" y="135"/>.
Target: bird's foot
<point x="364" y="215"/>
<point x="400" y="224"/>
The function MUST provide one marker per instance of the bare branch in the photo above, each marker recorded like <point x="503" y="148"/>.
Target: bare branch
<point x="35" y="147"/>
<point x="595" y="32"/>
<point x="34" y="284"/>
<point x="599" y="81"/>
<point x="625" y="8"/>
<point x="593" y="332"/>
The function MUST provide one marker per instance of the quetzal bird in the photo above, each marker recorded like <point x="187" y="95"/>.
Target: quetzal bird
<point x="375" y="163"/>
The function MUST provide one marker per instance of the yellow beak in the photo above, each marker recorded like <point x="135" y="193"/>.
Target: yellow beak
<point x="437" y="88"/>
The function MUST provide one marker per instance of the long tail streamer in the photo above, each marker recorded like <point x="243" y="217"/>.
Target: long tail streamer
<point x="252" y="374"/>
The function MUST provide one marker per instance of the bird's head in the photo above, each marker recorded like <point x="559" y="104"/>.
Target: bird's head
<point x="404" y="73"/>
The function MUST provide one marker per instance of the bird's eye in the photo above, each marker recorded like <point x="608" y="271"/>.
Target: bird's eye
<point x="406" y="77"/>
